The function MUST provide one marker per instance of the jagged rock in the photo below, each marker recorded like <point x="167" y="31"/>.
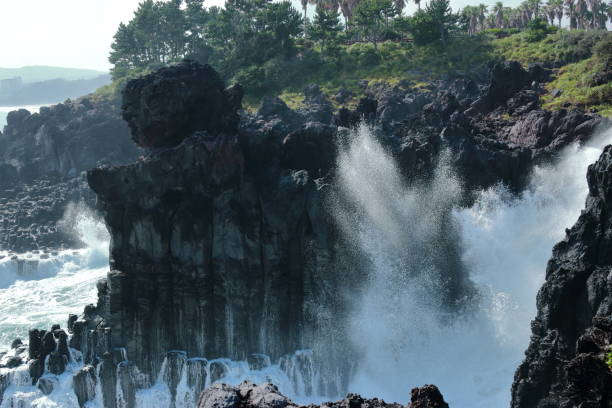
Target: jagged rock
<point x="16" y="343"/>
<point x="220" y="396"/>
<point x="196" y="374"/>
<point x="108" y="381"/>
<point x="258" y="361"/>
<point x="428" y="396"/>
<point x="84" y="384"/>
<point x="36" y="369"/>
<point x="311" y="148"/>
<point x="12" y="362"/>
<point x="175" y="361"/>
<point x="343" y="95"/>
<point x="263" y="396"/>
<point x="56" y="363"/>
<point x="218" y="370"/>
<point x="506" y="79"/>
<point x="317" y="107"/>
<point x="576" y="295"/>
<point x="167" y="106"/>
<point x="46" y="385"/>
<point x="42" y="157"/>
<point x="249" y="395"/>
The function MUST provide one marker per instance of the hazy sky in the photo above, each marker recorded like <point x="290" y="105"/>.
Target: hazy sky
<point x="76" y="33"/>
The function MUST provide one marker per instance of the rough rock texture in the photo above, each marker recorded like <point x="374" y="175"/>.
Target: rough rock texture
<point x="222" y="242"/>
<point x="428" y="396"/>
<point x="42" y="160"/>
<point x="199" y="102"/>
<point x="223" y="245"/>
<point x="249" y="395"/>
<point x="564" y="364"/>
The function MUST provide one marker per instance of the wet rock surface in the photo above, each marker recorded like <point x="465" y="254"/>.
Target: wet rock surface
<point x="237" y="223"/>
<point x="223" y="244"/>
<point x="564" y="364"/>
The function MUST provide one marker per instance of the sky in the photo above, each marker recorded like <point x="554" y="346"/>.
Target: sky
<point x="78" y="33"/>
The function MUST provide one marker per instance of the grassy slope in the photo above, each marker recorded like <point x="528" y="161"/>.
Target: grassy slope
<point x="44" y="73"/>
<point x="572" y="52"/>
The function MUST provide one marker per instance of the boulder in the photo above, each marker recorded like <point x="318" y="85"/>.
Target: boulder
<point x="165" y="107"/>
<point x="428" y="396"/>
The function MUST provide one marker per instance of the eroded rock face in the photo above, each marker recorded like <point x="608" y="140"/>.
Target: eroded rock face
<point x="167" y="106"/>
<point x="223" y="245"/>
<point x="564" y="362"/>
<point x="42" y="160"/>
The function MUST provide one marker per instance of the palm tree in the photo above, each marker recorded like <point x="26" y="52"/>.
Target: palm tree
<point x="481" y="16"/>
<point x="581" y="12"/>
<point x="570" y="8"/>
<point x="498" y="10"/>
<point x="558" y="7"/>
<point x="550" y="13"/>
<point x="471" y="14"/>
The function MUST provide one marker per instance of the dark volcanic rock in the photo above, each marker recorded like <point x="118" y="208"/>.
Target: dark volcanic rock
<point x="165" y="107"/>
<point x="428" y="396"/>
<point x="42" y="158"/>
<point x="84" y="384"/>
<point x="249" y="395"/>
<point x="564" y="361"/>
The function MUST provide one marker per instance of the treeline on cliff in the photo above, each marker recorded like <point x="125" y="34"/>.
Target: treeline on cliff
<point x="272" y="48"/>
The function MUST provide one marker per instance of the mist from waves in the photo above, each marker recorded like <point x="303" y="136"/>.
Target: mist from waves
<point x="404" y="334"/>
<point x="41" y="289"/>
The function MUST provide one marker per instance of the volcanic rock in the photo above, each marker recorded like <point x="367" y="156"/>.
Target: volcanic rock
<point x="167" y="106"/>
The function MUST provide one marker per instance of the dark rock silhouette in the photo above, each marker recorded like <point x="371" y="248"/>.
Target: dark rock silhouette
<point x="564" y="364"/>
<point x="167" y="106"/>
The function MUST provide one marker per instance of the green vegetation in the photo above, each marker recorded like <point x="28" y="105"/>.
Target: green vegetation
<point x="610" y="358"/>
<point x="562" y="47"/>
<point x="585" y="84"/>
<point x="272" y="49"/>
<point x="44" y="73"/>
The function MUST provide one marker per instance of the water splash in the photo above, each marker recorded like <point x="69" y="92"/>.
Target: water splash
<point x="406" y="337"/>
<point x="38" y="290"/>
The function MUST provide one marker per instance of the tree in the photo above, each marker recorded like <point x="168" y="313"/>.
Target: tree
<point x="371" y="19"/>
<point x="498" y="10"/>
<point x="570" y="8"/>
<point x="325" y="26"/>
<point x="435" y="24"/>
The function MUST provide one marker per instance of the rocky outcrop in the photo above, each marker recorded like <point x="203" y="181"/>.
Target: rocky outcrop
<point x="249" y="395"/>
<point x="564" y="364"/>
<point x="199" y="102"/>
<point x="222" y="241"/>
<point x="42" y="160"/>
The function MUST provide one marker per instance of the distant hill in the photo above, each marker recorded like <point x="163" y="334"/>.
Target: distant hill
<point x="41" y="73"/>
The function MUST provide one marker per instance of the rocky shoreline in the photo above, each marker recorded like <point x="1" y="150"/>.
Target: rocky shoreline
<point x="222" y="244"/>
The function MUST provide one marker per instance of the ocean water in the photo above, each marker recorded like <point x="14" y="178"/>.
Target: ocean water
<point x="405" y="335"/>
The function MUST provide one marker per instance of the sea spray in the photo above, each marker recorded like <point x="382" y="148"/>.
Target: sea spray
<point x="406" y="335"/>
<point x="59" y="284"/>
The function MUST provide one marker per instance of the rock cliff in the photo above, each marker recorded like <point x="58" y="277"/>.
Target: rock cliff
<point x="43" y="157"/>
<point x="572" y="332"/>
<point x="222" y="242"/>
